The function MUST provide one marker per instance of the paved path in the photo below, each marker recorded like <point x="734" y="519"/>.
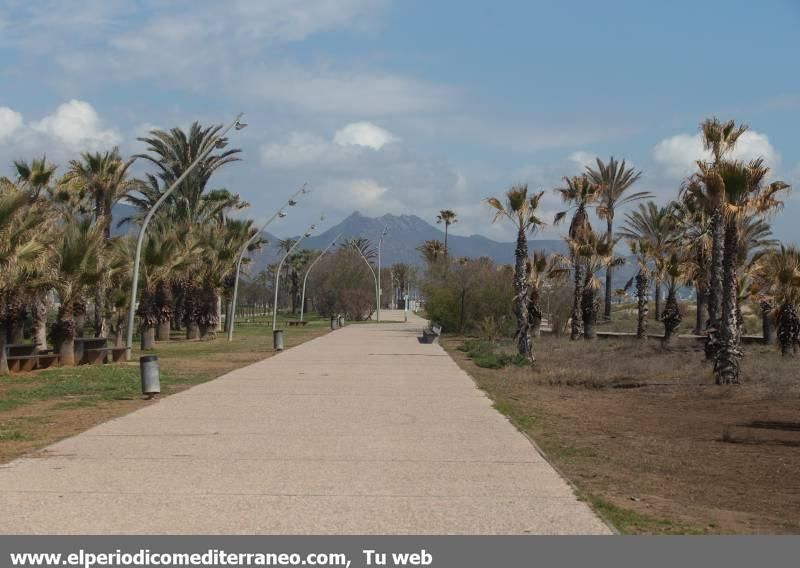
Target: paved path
<point x="361" y="431"/>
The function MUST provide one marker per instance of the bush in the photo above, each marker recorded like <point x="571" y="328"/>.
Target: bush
<point x="470" y="296"/>
<point x="487" y="354"/>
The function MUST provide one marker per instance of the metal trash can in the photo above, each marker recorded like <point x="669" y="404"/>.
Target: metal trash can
<point x="148" y="369"/>
<point x="341" y="321"/>
<point x="277" y="339"/>
<point x="334" y="323"/>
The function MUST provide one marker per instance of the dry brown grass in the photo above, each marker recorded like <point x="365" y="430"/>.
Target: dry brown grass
<point x="651" y="440"/>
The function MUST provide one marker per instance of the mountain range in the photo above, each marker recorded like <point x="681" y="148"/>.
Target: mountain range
<point x="404" y="234"/>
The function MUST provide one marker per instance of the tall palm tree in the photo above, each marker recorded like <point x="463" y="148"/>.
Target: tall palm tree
<point x="614" y="180"/>
<point x="448" y="217"/>
<point x="521" y="209"/>
<point x="658" y="226"/>
<point x="777" y="279"/>
<point x="104" y="177"/>
<point x="719" y="138"/>
<point x="579" y="193"/>
<point x="745" y="193"/>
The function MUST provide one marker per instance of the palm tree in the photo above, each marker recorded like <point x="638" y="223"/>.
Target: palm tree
<point x="520" y="209"/>
<point x="432" y="251"/>
<point x="658" y="226"/>
<point x="537" y="273"/>
<point x="719" y="138"/>
<point x="614" y="180"/>
<point x="103" y="176"/>
<point x="79" y="263"/>
<point x="777" y="279"/>
<point x="24" y="252"/>
<point x="448" y="217"/>
<point x="745" y="193"/>
<point x="675" y="270"/>
<point x="694" y="227"/>
<point x="579" y="193"/>
<point x="641" y="250"/>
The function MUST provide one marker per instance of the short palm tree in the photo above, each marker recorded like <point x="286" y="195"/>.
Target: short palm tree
<point x="675" y="270"/>
<point x="79" y="258"/>
<point x="614" y="180"/>
<point x="777" y="280"/>
<point x="537" y="274"/>
<point x="104" y="177"/>
<point x="521" y="209"/>
<point x="641" y="250"/>
<point x="446" y="217"/>
<point x="658" y="226"/>
<point x="432" y="251"/>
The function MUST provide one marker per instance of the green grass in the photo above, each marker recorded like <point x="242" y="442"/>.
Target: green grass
<point x="490" y="355"/>
<point x="13" y="436"/>
<point x="627" y="521"/>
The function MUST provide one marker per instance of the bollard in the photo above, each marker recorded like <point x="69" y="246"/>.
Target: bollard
<point x="277" y="339"/>
<point x="148" y="369"/>
<point x="334" y="323"/>
<point x="341" y="321"/>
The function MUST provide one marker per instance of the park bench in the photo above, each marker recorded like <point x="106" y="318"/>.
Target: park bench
<point x="293" y="323"/>
<point x="23" y="357"/>
<point x="94" y="351"/>
<point x="431" y="334"/>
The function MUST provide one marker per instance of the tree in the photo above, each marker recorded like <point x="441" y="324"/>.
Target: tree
<point x="579" y="194"/>
<point x="719" y="138"/>
<point x="658" y="226"/>
<point x="777" y="281"/>
<point x="521" y="210"/>
<point x="24" y="254"/>
<point x="675" y="270"/>
<point x="104" y="177"/>
<point x="432" y="251"/>
<point x="448" y="217"/>
<point x="613" y="180"/>
<point x="537" y="274"/>
<point x="744" y="193"/>
<point x="641" y="249"/>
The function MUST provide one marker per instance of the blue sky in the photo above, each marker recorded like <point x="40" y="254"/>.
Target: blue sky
<point x="407" y="106"/>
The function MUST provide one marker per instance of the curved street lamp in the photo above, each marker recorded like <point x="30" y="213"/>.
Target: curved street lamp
<point x="279" y="215"/>
<point x="278" y="271"/>
<point x="305" y="278"/>
<point x="221" y="143"/>
<point x="380" y="290"/>
<point x="375" y="278"/>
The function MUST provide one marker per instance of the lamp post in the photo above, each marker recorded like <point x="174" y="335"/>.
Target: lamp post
<point x="221" y="143"/>
<point x="380" y="290"/>
<point x="305" y="278"/>
<point x="279" y="215"/>
<point x="278" y="272"/>
<point x="375" y="278"/>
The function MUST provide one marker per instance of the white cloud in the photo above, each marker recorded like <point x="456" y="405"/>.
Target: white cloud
<point x="10" y="122"/>
<point x="364" y="134"/>
<point x="77" y="125"/>
<point x="678" y="154"/>
<point x="582" y="159"/>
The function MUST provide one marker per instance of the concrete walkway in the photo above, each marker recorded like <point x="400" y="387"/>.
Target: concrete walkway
<point x="361" y="431"/>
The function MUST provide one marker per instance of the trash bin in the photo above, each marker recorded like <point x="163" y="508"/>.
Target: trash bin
<point x="148" y="369"/>
<point x="277" y="339"/>
<point x="334" y="323"/>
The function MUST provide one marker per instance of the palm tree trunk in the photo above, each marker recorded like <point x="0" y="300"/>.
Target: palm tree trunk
<point x="726" y="364"/>
<point x="609" y="273"/>
<point x="642" y="288"/>
<point x="767" y="332"/>
<point x="535" y="314"/>
<point x="148" y="332"/>
<point x="715" y="283"/>
<point x="701" y="314"/>
<point x="446" y="227"/>
<point x="39" y="309"/>
<point x="658" y="300"/>
<point x="788" y="328"/>
<point x="672" y="316"/>
<point x="65" y="334"/>
<point x="3" y="361"/>
<point x="577" y="297"/>
<point x="520" y="305"/>
<point x="589" y="309"/>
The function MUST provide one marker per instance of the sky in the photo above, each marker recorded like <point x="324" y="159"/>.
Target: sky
<point x="407" y="106"/>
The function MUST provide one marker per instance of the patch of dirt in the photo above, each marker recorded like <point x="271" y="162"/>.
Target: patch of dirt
<point x="678" y="447"/>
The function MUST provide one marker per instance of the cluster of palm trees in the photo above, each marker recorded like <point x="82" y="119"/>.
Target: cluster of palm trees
<point x="56" y="243"/>
<point x="715" y="238"/>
